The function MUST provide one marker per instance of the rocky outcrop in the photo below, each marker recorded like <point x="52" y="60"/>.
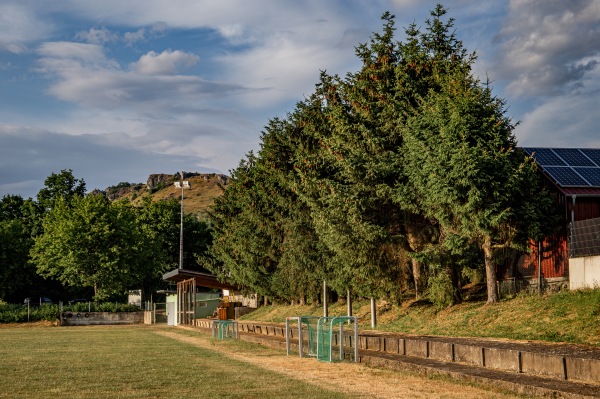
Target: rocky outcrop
<point x="160" y="180"/>
<point x="156" y="181"/>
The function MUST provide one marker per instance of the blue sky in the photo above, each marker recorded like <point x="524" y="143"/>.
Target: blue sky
<point x="117" y="90"/>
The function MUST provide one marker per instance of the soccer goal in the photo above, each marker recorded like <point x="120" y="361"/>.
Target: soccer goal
<point x="329" y="338"/>
<point x="222" y="329"/>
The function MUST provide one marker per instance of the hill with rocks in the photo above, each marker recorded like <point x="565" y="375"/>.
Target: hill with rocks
<point x="204" y="188"/>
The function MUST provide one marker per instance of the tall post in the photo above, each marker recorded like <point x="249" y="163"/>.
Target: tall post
<point x="373" y="313"/>
<point x="540" y="249"/>
<point x="349" y="302"/>
<point x="181" y="228"/>
<point x="325" y="309"/>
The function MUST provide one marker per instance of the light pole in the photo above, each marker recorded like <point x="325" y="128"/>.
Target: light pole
<point x="183" y="185"/>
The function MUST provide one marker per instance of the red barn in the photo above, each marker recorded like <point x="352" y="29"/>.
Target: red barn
<point x="574" y="175"/>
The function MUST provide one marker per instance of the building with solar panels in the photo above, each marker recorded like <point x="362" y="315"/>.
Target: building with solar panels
<point x="573" y="255"/>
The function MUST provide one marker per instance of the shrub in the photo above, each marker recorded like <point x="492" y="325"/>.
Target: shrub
<point x="18" y="313"/>
<point x="441" y="291"/>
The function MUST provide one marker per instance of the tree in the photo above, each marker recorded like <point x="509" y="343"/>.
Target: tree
<point x="18" y="276"/>
<point x="92" y="243"/>
<point x="242" y="248"/>
<point x="60" y="185"/>
<point x="468" y="174"/>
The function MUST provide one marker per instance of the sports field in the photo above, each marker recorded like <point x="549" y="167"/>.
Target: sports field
<point x="162" y="362"/>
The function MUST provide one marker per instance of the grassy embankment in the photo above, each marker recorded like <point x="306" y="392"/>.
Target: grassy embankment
<point x="572" y="317"/>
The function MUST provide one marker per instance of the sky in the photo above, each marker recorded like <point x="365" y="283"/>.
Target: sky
<point x="117" y="90"/>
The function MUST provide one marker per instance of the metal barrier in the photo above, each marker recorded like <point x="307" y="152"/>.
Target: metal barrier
<point x="222" y="329"/>
<point x="320" y="340"/>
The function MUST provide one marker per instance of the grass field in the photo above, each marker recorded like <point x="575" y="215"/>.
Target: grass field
<point x="162" y="362"/>
<point x="126" y="362"/>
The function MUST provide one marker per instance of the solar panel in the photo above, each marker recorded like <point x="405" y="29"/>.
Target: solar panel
<point x="593" y="154"/>
<point x="569" y="167"/>
<point x="565" y="176"/>
<point x="545" y="156"/>
<point x="573" y="157"/>
<point x="592" y="175"/>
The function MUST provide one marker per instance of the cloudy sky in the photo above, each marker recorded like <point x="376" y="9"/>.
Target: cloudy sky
<point x="116" y="90"/>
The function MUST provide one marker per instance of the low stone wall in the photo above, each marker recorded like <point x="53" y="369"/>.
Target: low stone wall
<point x="504" y="359"/>
<point x="479" y="354"/>
<point x="100" y="318"/>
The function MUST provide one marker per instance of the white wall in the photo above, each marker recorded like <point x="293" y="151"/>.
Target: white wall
<point x="584" y="272"/>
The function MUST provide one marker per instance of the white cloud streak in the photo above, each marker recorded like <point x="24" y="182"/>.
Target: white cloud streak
<point x="544" y="43"/>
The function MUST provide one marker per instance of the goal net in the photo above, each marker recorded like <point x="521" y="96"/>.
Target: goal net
<point x="327" y="338"/>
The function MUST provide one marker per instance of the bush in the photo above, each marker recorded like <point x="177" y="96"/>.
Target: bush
<point x="18" y="313"/>
<point x="441" y="291"/>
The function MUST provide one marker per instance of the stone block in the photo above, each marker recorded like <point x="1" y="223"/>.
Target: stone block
<point x="502" y="359"/>
<point x="468" y="354"/>
<point x="583" y="369"/>
<point x="540" y="364"/>
<point x="391" y="345"/>
<point x="440" y="351"/>
<point x="416" y="347"/>
<point x="374" y="343"/>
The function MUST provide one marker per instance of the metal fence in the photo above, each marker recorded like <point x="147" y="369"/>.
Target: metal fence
<point x="585" y="238"/>
<point x="159" y="311"/>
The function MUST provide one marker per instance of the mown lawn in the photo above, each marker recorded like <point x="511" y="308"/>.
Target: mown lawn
<point x="129" y="362"/>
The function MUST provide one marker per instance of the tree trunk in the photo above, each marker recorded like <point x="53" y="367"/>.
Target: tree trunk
<point x="490" y="271"/>
<point x="418" y="234"/>
<point x="418" y="277"/>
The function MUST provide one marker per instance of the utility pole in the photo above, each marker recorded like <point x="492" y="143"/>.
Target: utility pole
<point x="183" y="185"/>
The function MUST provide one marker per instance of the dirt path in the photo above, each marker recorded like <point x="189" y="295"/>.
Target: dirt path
<point x="359" y="381"/>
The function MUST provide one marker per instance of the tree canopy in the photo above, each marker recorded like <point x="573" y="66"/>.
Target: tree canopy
<point x="390" y="177"/>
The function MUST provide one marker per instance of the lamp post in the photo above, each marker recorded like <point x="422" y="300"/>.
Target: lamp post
<point x="183" y="185"/>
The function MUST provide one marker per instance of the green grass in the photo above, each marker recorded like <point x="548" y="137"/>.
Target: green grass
<point x="129" y="362"/>
<point x="569" y="316"/>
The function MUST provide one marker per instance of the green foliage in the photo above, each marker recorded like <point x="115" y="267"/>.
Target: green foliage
<point x="62" y="186"/>
<point x="17" y="227"/>
<point x="441" y="291"/>
<point x="18" y="313"/>
<point x="409" y="157"/>
<point x="112" y="307"/>
<point x="91" y="243"/>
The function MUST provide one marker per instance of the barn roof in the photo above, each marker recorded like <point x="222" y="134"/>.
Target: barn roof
<point x="574" y="171"/>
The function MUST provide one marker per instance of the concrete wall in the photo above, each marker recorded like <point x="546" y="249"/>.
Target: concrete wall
<point x="100" y="318"/>
<point x="478" y="355"/>
<point x="584" y="272"/>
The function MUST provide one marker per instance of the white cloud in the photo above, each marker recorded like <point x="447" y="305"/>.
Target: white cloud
<point x="568" y="120"/>
<point x="133" y="37"/>
<point x="166" y="63"/>
<point x="88" y="54"/>
<point x="97" y="36"/>
<point x="83" y="75"/>
<point x="19" y="26"/>
<point x="543" y="43"/>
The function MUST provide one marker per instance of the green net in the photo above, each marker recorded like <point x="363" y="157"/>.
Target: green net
<point x="311" y="323"/>
<point x="332" y="333"/>
<point x="225" y="329"/>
